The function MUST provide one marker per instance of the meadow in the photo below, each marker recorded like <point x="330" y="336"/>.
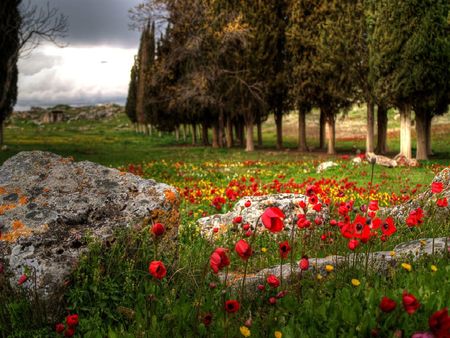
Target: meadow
<point x="117" y="292"/>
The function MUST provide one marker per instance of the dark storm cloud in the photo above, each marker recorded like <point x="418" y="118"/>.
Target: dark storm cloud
<point x="96" y="22"/>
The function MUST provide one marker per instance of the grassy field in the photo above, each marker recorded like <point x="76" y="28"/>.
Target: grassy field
<point x="114" y="293"/>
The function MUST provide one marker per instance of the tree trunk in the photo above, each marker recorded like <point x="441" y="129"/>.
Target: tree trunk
<point x="421" y="136"/>
<point x="279" y="124"/>
<point x="205" y="140"/>
<point x="331" y="133"/>
<point x="239" y="128"/>
<point x="382" y="124"/>
<point x="302" y="146"/>
<point x="215" y="135"/>
<point x="220" y="131"/>
<point x="322" y="130"/>
<point x="370" y="127"/>
<point x="177" y="133"/>
<point x="229" y="132"/>
<point x="405" y="131"/>
<point x="249" y="145"/>
<point x="428" y="121"/>
<point x="194" y="134"/>
<point x="259" y="129"/>
<point x="184" y="132"/>
<point x="1" y="133"/>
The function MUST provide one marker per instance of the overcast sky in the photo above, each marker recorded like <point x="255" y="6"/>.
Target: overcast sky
<point x="94" y="68"/>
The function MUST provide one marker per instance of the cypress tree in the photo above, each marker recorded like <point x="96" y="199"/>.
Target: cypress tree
<point x="130" y="106"/>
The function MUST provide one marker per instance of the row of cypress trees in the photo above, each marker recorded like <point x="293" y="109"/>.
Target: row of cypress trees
<point x="229" y="64"/>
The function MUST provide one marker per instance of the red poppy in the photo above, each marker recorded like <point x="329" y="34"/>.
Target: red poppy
<point x="302" y="204"/>
<point x="387" y="305"/>
<point x="70" y="332"/>
<point x="333" y="222"/>
<point x="317" y="207"/>
<point x="272" y="219"/>
<point x="273" y="281"/>
<point x="437" y="187"/>
<point x="59" y="328"/>
<point x="272" y="300"/>
<point x="72" y="320"/>
<point x="237" y="219"/>
<point x="302" y="222"/>
<point x="415" y="217"/>
<point x="442" y="202"/>
<point x="232" y="306"/>
<point x="243" y="249"/>
<point x="439" y="323"/>
<point x="246" y="226"/>
<point x="247" y="203"/>
<point x="388" y="228"/>
<point x="207" y="319"/>
<point x="303" y="264"/>
<point x="410" y="303"/>
<point x="22" y="279"/>
<point x="261" y="287"/>
<point x="353" y="244"/>
<point x="158" y="229"/>
<point x="219" y="259"/>
<point x="157" y="269"/>
<point x="373" y="205"/>
<point x="285" y="248"/>
<point x="313" y="199"/>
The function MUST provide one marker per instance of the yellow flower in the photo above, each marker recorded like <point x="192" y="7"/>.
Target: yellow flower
<point x="278" y="334"/>
<point x="329" y="268"/>
<point x="245" y="331"/>
<point x="434" y="268"/>
<point x="392" y="253"/>
<point x="407" y="266"/>
<point x="319" y="276"/>
<point x="263" y="250"/>
<point x="355" y="282"/>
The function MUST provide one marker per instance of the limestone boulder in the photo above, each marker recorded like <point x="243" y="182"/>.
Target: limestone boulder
<point x="49" y="204"/>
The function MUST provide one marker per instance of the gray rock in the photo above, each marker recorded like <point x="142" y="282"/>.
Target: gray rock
<point x="325" y="166"/>
<point x="288" y="203"/>
<point x="49" y="203"/>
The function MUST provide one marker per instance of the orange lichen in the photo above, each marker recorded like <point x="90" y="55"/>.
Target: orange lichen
<point x="6" y="207"/>
<point x="2" y="191"/>
<point x="18" y="225"/>
<point x="23" y="200"/>
<point x="170" y="196"/>
<point x="19" y="230"/>
<point x="122" y="173"/>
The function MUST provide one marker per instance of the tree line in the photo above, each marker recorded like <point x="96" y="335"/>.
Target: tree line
<point x="227" y="65"/>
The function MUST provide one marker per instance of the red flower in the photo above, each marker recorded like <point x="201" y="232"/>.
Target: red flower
<point x="243" y="249"/>
<point x="302" y="222"/>
<point x="302" y="204"/>
<point x="232" y="306"/>
<point x="272" y="300"/>
<point x="207" y="319"/>
<point x="317" y="207"/>
<point x="439" y="323"/>
<point x="353" y="244"/>
<point x="436" y="187"/>
<point x="272" y="219"/>
<point x="442" y="202"/>
<point x="246" y="226"/>
<point x="415" y="217"/>
<point x="157" y="269"/>
<point x="387" y="305"/>
<point x="410" y="303"/>
<point x="313" y="199"/>
<point x="237" y="219"/>
<point x="69" y="332"/>
<point x="388" y="228"/>
<point x="273" y="281"/>
<point x="247" y="203"/>
<point x="59" y="328"/>
<point x="22" y="279"/>
<point x="304" y="264"/>
<point x="158" y="229"/>
<point x="261" y="287"/>
<point x="285" y="248"/>
<point x="373" y="205"/>
<point x="72" y="320"/>
<point x="219" y="259"/>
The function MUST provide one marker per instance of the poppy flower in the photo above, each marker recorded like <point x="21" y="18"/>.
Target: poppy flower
<point x="207" y="319"/>
<point x="313" y="200"/>
<point x="436" y="187"/>
<point x="304" y="264"/>
<point x="158" y="229"/>
<point x="387" y="305"/>
<point x="415" y="217"/>
<point x="72" y="320"/>
<point x="232" y="306"/>
<point x="317" y="207"/>
<point x="157" y="269"/>
<point x="272" y="218"/>
<point x="247" y="203"/>
<point x="237" y="219"/>
<point x="439" y="323"/>
<point x="442" y="202"/>
<point x="285" y="248"/>
<point x="272" y="300"/>
<point x="243" y="249"/>
<point x="22" y="279"/>
<point x="302" y="205"/>
<point x="219" y="259"/>
<point x="70" y="332"/>
<point x="59" y="328"/>
<point x="353" y="244"/>
<point x="273" y="281"/>
<point x="388" y="228"/>
<point x="373" y="205"/>
<point x="246" y="226"/>
<point x="410" y="303"/>
<point x="302" y="222"/>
